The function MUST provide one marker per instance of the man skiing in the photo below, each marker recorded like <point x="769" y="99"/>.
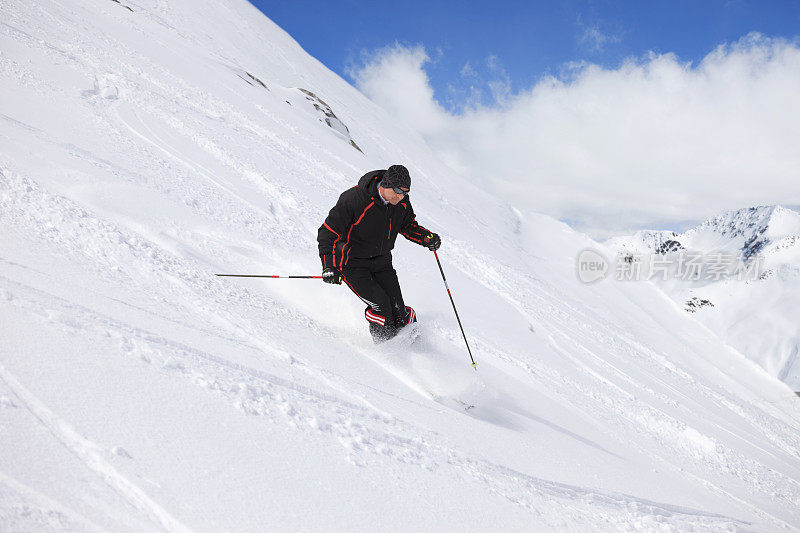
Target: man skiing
<point x="356" y="241"/>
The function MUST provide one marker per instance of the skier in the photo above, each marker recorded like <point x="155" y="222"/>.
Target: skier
<point x="356" y="241"/>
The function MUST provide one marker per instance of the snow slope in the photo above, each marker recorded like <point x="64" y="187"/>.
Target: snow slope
<point x="146" y="145"/>
<point x="759" y="316"/>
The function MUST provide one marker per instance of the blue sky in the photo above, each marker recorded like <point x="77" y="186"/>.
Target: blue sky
<point x="522" y="40"/>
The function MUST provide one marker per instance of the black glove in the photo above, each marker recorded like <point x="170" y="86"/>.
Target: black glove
<point x="432" y="242"/>
<point x="332" y="275"/>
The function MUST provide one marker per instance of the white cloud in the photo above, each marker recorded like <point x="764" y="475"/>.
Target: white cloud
<point x="394" y="78"/>
<point x="467" y="71"/>
<point x="653" y="141"/>
<point x="500" y="84"/>
<point x="593" y="38"/>
<point x="596" y="40"/>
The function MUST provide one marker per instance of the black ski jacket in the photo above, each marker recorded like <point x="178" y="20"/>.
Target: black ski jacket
<point x="360" y="227"/>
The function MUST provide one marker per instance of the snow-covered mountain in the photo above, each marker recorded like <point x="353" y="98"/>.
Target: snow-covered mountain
<point x="758" y="316"/>
<point x="644" y="242"/>
<point x="146" y="145"/>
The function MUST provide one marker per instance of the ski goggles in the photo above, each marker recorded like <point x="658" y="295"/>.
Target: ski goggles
<point x="386" y="185"/>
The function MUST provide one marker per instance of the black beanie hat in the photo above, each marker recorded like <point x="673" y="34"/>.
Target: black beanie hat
<point x="397" y="176"/>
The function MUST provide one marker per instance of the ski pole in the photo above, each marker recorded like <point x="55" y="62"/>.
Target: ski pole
<point x="474" y="364"/>
<point x="265" y="276"/>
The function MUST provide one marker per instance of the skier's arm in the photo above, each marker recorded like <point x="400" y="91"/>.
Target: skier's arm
<point x="333" y="229"/>
<point x="412" y="231"/>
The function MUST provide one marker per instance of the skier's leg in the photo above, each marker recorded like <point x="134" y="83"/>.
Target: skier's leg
<point x="378" y="312"/>
<point x="386" y="277"/>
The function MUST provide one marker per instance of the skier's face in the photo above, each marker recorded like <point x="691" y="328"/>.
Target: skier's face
<point x="392" y="197"/>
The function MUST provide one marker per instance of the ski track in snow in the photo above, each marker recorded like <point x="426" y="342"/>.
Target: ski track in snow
<point x="26" y="509"/>
<point x="90" y="454"/>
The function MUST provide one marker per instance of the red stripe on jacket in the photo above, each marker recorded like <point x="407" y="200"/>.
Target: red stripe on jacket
<point x="333" y="248"/>
<point x="343" y="262"/>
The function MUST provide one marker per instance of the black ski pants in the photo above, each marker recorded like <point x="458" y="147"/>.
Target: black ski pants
<point x="375" y="282"/>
